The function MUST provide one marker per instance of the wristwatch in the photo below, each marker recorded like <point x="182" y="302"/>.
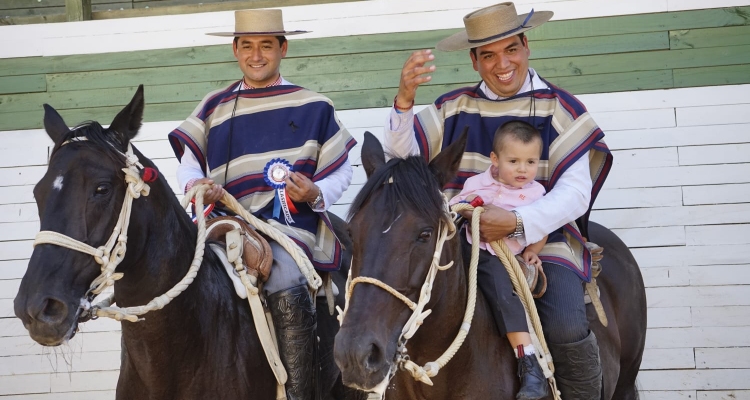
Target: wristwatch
<point x="519" y="226"/>
<point x="318" y="200"/>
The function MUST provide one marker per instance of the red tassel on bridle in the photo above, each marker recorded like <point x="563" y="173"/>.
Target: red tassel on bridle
<point x="149" y="174"/>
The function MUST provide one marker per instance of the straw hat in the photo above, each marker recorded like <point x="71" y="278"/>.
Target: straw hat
<point x="491" y="24"/>
<point x="258" y="23"/>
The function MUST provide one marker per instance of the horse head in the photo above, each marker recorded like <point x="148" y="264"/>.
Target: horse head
<point x="395" y="223"/>
<point x="80" y="196"/>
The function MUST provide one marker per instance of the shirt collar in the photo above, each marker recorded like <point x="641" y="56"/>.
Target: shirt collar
<point x="278" y="82"/>
<point x="532" y="75"/>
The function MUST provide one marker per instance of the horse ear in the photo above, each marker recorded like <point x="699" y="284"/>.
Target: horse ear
<point x="373" y="155"/>
<point x="54" y="124"/>
<point x="128" y="121"/>
<point x="445" y="164"/>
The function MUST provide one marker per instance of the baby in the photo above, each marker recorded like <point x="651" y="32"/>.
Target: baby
<point x="509" y="183"/>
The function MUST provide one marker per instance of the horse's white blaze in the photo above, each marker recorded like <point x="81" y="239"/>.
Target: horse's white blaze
<point x="57" y="184"/>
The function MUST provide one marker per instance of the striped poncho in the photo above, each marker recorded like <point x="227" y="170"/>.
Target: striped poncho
<point x="568" y="133"/>
<point x="287" y="122"/>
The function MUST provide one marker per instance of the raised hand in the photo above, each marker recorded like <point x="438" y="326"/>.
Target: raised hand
<point x="300" y="188"/>
<point x="413" y="75"/>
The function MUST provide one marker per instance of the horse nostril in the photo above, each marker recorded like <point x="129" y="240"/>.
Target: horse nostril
<point x="374" y="359"/>
<point x="52" y="311"/>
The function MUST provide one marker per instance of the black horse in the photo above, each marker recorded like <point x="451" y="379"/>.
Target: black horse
<point x="394" y="224"/>
<point x="203" y="344"/>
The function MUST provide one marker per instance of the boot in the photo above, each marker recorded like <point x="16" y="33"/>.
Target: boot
<point x="295" y="322"/>
<point x="533" y="382"/>
<point x="578" y="369"/>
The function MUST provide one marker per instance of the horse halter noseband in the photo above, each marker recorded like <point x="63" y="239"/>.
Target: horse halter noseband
<point x="111" y="254"/>
<point x="446" y="231"/>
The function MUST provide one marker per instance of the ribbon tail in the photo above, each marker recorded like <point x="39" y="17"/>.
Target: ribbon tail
<point x="277" y="204"/>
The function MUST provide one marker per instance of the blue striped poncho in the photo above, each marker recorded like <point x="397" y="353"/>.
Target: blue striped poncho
<point x="568" y="133"/>
<point x="288" y="122"/>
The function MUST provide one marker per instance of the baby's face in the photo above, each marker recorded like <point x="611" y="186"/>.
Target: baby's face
<point x="517" y="162"/>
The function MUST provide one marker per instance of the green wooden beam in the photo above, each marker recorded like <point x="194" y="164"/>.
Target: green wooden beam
<point x="710" y="37"/>
<point x="22" y="84"/>
<point x="78" y="10"/>
<point x="710" y="76"/>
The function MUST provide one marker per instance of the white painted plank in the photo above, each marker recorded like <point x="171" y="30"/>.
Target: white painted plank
<point x="340" y="210"/>
<point x="25" y="212"/>
<point x="698" y="296"/>
<point x="21" y="176"/>
<point x="670" y="338"/>
<point x="16" y="194"/>
<point x="735" y="357"/>
<point x="665" y="98"/>
<point x="13" y="269"/>
<point x="695" y="379"/>
<point x="59" y="363"/>
<point x="639" y="198"/>
<point x="691" y="255"/>
<point x="21" y="384"/>
<point x="669" y="317"/>
<point x="652" y="237"/>
<point x="716" y="194"/>
<point x="678" y="176"/>
<point x="646" y="158"/>
<point x="668" y="359"/>
<point x="18" y="230"/>
<point x="665" y="276"/>
<point x="713" y="115"/>
<point x="679" y="5"/>
<point x="667" y="395"/>
<point x="16" y="250"/>
<point x="6" y="308"/>
<point x="83" y="381"/>
<point x="92" y="395"/>
<point x="721" y="316"/>
<point x="635" y="119"/>
<point x="677" y="136"/>
<point x="724" y="395"/>
<point x="673" y="216"/>
<point x="715" y="275"/>
<point x="32" y="155"/>
<point x="716" y="154"/>
<point x="9" y="288"/>
<point x="14" y="327"/>
<point x="25" y="138"/>
<point x="706" y="235"/>
<point x="82" y="342"/>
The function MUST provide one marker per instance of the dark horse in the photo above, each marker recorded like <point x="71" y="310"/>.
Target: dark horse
<point x="394" y="224"/>
<point x="203" y="344"/>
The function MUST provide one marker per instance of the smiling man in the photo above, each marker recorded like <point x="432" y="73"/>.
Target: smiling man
<point x="280" y="150"/>
<point x="574" y="163"/>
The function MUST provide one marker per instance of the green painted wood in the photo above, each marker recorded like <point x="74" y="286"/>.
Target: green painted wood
<point x="16" y="4"/>
<point x="304" y="66"/>
<point x="710" y="37"/>
<point x="710" y="76"/>
<point x="22" y="84"/>
<point x="78" y="10"/>
<point x="693" y="19"/>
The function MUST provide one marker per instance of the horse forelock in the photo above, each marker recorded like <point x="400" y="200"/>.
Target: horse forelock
<point x="407" y="184"/>
<point x="110" y="142"/>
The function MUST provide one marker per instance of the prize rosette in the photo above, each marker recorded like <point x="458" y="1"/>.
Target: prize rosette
<point x="275" y="174"/>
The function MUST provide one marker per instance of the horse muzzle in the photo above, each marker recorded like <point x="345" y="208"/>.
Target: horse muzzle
<point x="50" y="321"/>
<point x="363" y="361"/>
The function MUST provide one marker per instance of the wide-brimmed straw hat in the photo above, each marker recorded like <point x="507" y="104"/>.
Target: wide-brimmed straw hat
<point x="493" y="23"/>
<point x="258" y="23"/>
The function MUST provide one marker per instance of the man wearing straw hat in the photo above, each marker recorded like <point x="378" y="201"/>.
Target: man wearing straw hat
<point x="280" y="150"/>
<point x="574" y="163"/>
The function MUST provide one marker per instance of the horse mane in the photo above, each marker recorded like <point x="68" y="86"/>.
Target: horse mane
<point x="111" y="142"/>
<point x="408" y="183"/>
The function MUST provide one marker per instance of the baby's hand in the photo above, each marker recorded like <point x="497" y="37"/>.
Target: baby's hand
<point x="531" y="258"/>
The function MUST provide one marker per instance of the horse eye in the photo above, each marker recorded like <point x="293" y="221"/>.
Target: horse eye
<point x="102" y="189"/>
<point x="425" y="235"/>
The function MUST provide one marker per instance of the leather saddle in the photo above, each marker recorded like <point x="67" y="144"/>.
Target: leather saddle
<point x="254" y="249"/>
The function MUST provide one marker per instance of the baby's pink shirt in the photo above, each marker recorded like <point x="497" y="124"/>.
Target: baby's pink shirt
<point x="500" y="195"/>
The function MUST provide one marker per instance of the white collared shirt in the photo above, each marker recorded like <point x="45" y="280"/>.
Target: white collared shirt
<point x="331" y="187"/>
<point x="567" y="201"/>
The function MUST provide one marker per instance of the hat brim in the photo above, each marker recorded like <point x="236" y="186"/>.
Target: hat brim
<point x="460" y="40"/>
<point x="238" y="34"/>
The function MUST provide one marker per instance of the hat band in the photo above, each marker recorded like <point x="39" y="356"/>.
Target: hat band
<point x="264" y="33"/>
<point x="522" y="26"/>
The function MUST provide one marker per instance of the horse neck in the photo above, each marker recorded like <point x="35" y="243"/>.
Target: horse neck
<point x="449" y="294"/>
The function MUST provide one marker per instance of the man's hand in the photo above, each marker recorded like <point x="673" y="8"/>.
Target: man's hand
<point x="531" y="258"/>
<point x="300" y="188"/>
<point x="213" y="194"/>
<point x="413" y="75"/>
<point x="494" y="224"/>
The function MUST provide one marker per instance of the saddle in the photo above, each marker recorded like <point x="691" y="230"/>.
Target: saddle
<point x="241" y="240"/>
<point x="535" y="277"/>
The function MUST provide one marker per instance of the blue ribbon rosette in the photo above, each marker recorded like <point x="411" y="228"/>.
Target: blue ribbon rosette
<point x="275" y="173"/>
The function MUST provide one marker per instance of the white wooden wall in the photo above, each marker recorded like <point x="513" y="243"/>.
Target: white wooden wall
<point x="678" y="195"/>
